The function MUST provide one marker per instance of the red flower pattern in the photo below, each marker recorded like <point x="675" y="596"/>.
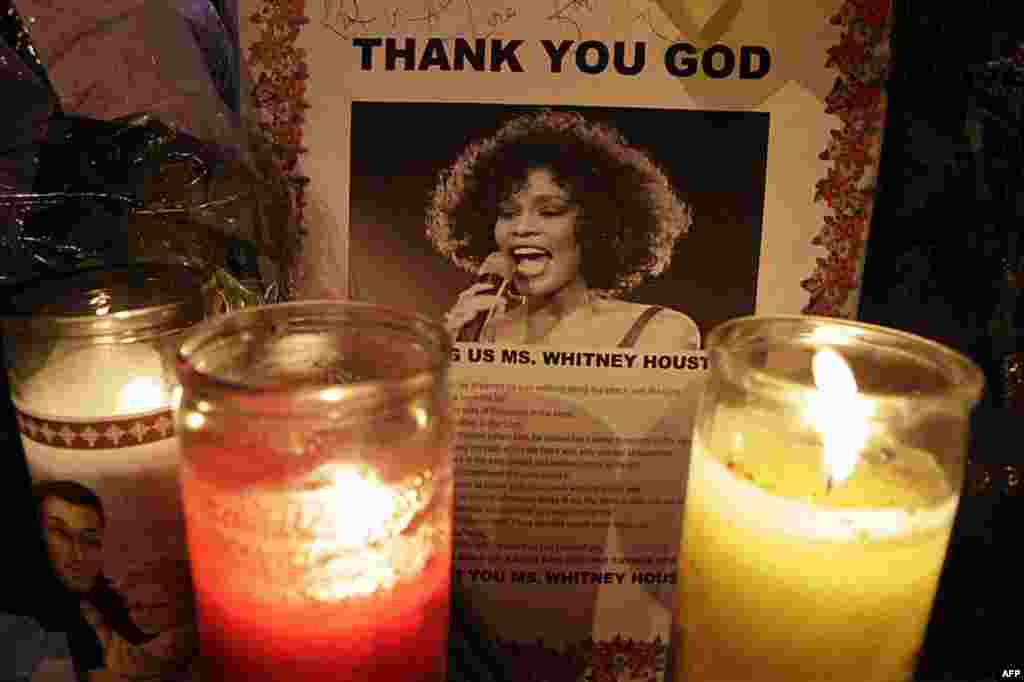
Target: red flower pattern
<point x="615" y="660"/>
<point x="858" y="98"/>
<point x="279" y="95"/>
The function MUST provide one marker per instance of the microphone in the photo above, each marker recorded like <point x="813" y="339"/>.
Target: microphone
<point x="496" y="269"/>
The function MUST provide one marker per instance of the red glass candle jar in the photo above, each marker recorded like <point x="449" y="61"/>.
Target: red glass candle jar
<point x="316" y="483"/>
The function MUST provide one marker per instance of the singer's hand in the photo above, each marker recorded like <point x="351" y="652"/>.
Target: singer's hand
<point x="470" y="303"/>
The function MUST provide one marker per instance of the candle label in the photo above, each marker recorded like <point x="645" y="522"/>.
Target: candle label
<point x="92" y="434"/>
<point x="110" y="514"/>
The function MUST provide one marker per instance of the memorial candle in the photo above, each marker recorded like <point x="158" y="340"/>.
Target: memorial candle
<point x="817" y="516"/>
<point x="316" y="483"/>
<point x="90" y="356"/>
<point x="318" y="598"/>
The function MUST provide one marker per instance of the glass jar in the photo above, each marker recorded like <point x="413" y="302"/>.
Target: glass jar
<point x="317" y="487"/>
<point x="826" y="469"/>
<point x="90" y="360"/>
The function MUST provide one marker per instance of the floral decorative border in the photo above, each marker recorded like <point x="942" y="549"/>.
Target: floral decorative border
<point x="280" y="74"/>
<point x="858" y="98"/>
<point x="614" y="660"/>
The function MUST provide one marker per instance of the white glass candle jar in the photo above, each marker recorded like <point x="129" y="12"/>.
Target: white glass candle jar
<point x="826" y="469"/>
<point x="90" y="358"/>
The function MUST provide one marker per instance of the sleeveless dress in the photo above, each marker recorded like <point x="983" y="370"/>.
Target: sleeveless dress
<point x="634" y="332"/>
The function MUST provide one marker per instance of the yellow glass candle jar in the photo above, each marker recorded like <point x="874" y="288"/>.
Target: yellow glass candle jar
<point x="826" y="469"/>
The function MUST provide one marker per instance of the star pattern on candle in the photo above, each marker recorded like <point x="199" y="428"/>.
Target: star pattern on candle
<point x="165" y="425"/>
<point x="27" y="426"/>
<point x="90" y="435"/>
<point x="66" y="435"/>
<point x="114" y="434"/>
<point x="98" y="434"/>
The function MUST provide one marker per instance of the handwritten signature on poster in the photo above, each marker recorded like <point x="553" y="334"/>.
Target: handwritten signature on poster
<point x="349" y="18"/>
<point x="465" y="18"/>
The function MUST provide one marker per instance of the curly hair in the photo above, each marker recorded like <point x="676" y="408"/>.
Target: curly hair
<point x="629" y="215"/>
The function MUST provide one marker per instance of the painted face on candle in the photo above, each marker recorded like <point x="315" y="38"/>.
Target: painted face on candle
<point x="536" y="227"/>
<point x="74" y="541"/>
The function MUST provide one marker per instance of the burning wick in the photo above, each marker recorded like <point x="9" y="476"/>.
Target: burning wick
<point x="840" y="415"/>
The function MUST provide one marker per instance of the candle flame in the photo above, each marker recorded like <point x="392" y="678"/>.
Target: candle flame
<point x="358" y="521"/>
<point x="141" y="394"/>
<point x="194" y="421"/>
<point x="839" y="413"/>
<point x="364" y="508"/>
<point x="421" y="416"/>
<point x="333" y="394"/>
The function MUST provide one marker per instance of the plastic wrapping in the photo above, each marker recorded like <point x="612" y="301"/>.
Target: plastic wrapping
<point x="134" y="144"/>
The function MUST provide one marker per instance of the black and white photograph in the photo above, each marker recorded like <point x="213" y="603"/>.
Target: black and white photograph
<point x="583" y="226"/>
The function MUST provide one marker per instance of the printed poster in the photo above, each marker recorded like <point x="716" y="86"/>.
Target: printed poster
<point x="570" y="471"/>
<point x="581" y="191"/>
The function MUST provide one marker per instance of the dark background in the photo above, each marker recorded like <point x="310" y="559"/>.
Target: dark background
<point x="715" y="160"/>
<point x="943" y="261"/>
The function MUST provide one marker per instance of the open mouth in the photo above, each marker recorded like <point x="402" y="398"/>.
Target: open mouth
<point x="530" y="260"/>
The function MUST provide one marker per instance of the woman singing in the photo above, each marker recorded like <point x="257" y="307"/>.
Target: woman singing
<point x="568" y="217"/>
